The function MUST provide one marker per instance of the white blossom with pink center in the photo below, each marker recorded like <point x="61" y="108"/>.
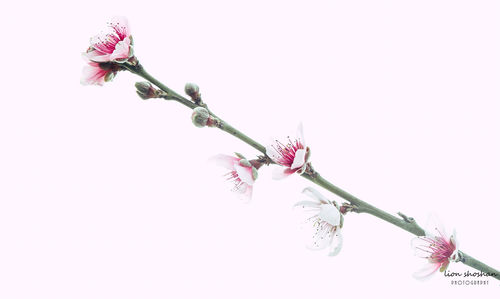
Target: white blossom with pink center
<point x="324" y="222"/>
<point x="436" y="248"/>
<point x="294" y="155"/>
<point x="241" y="173"/>
<point x="113" y="45"/>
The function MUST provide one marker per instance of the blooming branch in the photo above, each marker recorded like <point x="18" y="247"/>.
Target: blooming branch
<point x="112" y="51"/>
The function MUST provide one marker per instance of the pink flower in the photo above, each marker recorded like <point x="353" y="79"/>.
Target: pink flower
<point x="294" y="155"/>
<point x="114" y="45"/>
<point x="324" y="223"/>
<point x="241" y="172"/>
<point x="98" y="73"/>
<point x="436" y="248"/>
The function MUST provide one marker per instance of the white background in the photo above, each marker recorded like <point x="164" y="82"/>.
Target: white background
<point x="103" y="195"/>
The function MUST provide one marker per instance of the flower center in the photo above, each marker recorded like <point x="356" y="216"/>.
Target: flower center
<point x="288" y="151"/>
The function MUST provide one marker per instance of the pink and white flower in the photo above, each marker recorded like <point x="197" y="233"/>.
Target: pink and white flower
<point x="113" y="45"/>
<point x="294" y="155"/>
<point x="436" y="248"/>
<point x="241" y="172"/>
<point x="324" y="222"/>
<point x="98" y="73"/>
<point x="106" y="52"/>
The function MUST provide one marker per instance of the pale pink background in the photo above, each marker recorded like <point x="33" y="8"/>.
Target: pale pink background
<point x="103" y="195"/>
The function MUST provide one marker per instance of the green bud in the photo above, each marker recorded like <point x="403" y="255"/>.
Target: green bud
<point x="200" y="117"/>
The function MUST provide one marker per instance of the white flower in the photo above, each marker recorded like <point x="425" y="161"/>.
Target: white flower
<point x="325" y="222"/>
<point x="293" y="155"/>
<point x="436" y="248"/>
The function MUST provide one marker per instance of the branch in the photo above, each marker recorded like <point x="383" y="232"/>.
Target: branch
<point x="404" y="222"/>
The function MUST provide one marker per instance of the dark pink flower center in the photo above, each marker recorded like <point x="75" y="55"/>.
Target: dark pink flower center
<point x="439" y="249"/>
<point x="287" y="152"/>
<point x="107" y="44"/>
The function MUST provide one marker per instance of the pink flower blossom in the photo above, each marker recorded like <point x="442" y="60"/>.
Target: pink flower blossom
<point x="114" y="45"/>
<point x="106" y="52"/>
<point x="324" y="222"/>
<point x="98" y="73"/>
<point x="436" y="248"/>
<point x="294" y="155"/>
<point x="241" y="172"/>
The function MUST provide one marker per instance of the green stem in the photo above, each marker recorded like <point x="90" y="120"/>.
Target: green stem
<point x="231" y="130"/>
<point x="410" y="226"/>
<point x="404" y="222"/>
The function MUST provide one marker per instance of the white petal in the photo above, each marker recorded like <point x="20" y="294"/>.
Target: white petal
<point x="426" y="272"/>
<point x="336" y="245"/>
<point x="330" y="214"/>
<point x="419" y="246"/>
<point x="244" y="173"/>
<point x="453" y="238"/>
<point x="434" y="227"/>
<point x="225" y="161"/>
<point x="300" y="134"/>
<point x="319" y="237"/>
<point x="299" y="159"/>
<point x="245" y="192"/>
<point x="307" y="203"/>
<point x="314" y="194"/>
<point x="273" y="154"/>
<point x="281" y="173"/>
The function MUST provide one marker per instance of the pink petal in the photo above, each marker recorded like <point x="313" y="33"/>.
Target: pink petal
<point x="97" y="56"/>
<point x="245" y="174"/>
<point x="122" y="50"/>
<point x="93" y="75"/>
<point x="225" y="161"/>
<point x="122" y="23"/>
<point x="281" y="173"/>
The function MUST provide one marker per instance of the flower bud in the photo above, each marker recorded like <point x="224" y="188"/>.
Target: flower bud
<point x="146" y="90"/>
<point x="200" y="117"/>
<point x="192" y="90"/>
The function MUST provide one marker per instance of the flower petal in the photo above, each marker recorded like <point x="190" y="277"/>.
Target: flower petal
<point x="420" y="245"/>
<point x="426" y="272"/>
<point x="307" y="203"/>
<point x="273" y="154"/>
<point x="434" y="227"/>
<point x="330" y="214"/>
<point x="322" y="235"/>
<point x="244" y="173"/>
<point x="122" y="50"/>
<point x="300" y="135"/>
<point x="97" y="56"/>
<point x="299" y="159"/>
<point x="93" y="75"/>
<point x="314" y="194"/>
<point x="225" y="161"/>
<point x="121" y="23"/>
<point x="336" y="244"/>
<point x="281" y="173"/>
